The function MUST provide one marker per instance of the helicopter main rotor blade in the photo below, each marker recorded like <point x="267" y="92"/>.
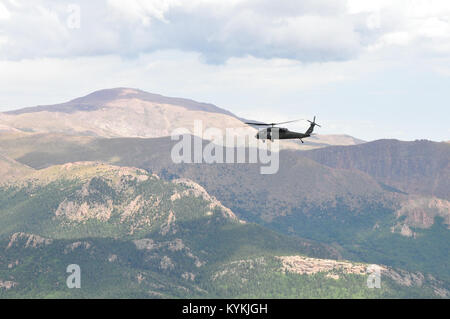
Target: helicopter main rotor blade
<point x="260" y="124"/>
<point x="271" y="124"/>
<point x="287" y="122"/>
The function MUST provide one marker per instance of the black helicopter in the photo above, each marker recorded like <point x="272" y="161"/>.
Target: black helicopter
<point x="283" y="133"/>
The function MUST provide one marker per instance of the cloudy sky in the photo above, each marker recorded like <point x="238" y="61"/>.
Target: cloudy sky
<point x="371" y="69"/>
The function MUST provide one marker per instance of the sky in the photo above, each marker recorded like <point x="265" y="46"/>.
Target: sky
<point x="370" y="69"/>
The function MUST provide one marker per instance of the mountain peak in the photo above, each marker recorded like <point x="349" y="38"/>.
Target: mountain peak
<point x="132" y="112"/>
<point x="107" y="95"/>
<point x="97" y="99"/>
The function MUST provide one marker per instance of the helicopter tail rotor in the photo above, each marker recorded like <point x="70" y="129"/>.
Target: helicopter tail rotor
<point x="311" y="126"/>
<point x="313" y="122"/>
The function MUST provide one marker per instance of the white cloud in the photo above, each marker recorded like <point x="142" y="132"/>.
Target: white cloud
<point x="4" y="12"/>
<point x="359" y="6"/>
<point x="3" y="40"/>
<point x="218" y="30"/>
<point x="143" y="11"/>
<point x="422" y="25"/>
<point x="307" y="31"/>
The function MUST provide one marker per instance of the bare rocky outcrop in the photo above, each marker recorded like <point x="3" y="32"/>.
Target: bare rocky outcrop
<point x="149" y="244"/>
<point x="108" y="192"/>
<point x="79" y="244"/>
<point x="7" y="284"/>
<point x="176" y="245"/>
<point x="169" y="226"/>
<point x="28" y="240"/>
<point x="441" y="292"/>
<point x="403" y="230"/>
<point x="403" y="277"/>
<point x="81" y="212"/>
<point x="421" y="211"/>
<point x="93" y="202"/>
<point x="236" y="266"/>
<point x="133" y="207"/>
<point x="306" y="265"/>
<point x="196" y="190"/>
<point x="86" y="171"/>
<point x="166" y="263"/>
<point x="145" y="244"/>
<point x="188" y="276"/>
<point x="333" y="269"/>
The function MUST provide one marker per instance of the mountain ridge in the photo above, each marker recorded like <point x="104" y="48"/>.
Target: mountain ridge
<point x="90" y="102"/>
<point x="417" y="167"/>
<point x="65" y="213"/>
<point x="125" y="112"/>
<point x="344" y="207"/>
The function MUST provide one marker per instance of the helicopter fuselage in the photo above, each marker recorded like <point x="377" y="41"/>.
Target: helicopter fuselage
<point x="283" y="134"/>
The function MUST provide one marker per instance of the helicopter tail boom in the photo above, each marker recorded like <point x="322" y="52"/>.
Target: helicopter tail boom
<point x="311" y="126"/>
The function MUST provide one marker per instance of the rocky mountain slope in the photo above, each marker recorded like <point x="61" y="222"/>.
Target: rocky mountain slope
<point x="299" y="181"/>
<point x="147" y="269"/>
<point x="305" y="180"/>
<point x="307" y="277"/>
<point x="94" y="100"/>
<point x="11" y="169"/>
<point x="419" y="167"/>
<point x="136" y="235"/>
<point x="119" y="112"/>
<point x="367" y="219"/>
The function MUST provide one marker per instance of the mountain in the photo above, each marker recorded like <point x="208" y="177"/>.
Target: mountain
<point x="95" y="100"/>
<point x="136" y="235"/>
<point x="362" y="218"/>
<point x="419" y="167"/>
<point x="299" y="182"/>
<point x="125" y="112"/>
<point x="367" y="219"/>
<point x="133" y="222"/>
<point x="119" y="112"/>
<point x="85" y="175"/>
<point x="11" y="169"/>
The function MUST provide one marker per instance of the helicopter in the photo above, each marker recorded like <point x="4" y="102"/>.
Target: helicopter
<point x="283" y="133"/>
